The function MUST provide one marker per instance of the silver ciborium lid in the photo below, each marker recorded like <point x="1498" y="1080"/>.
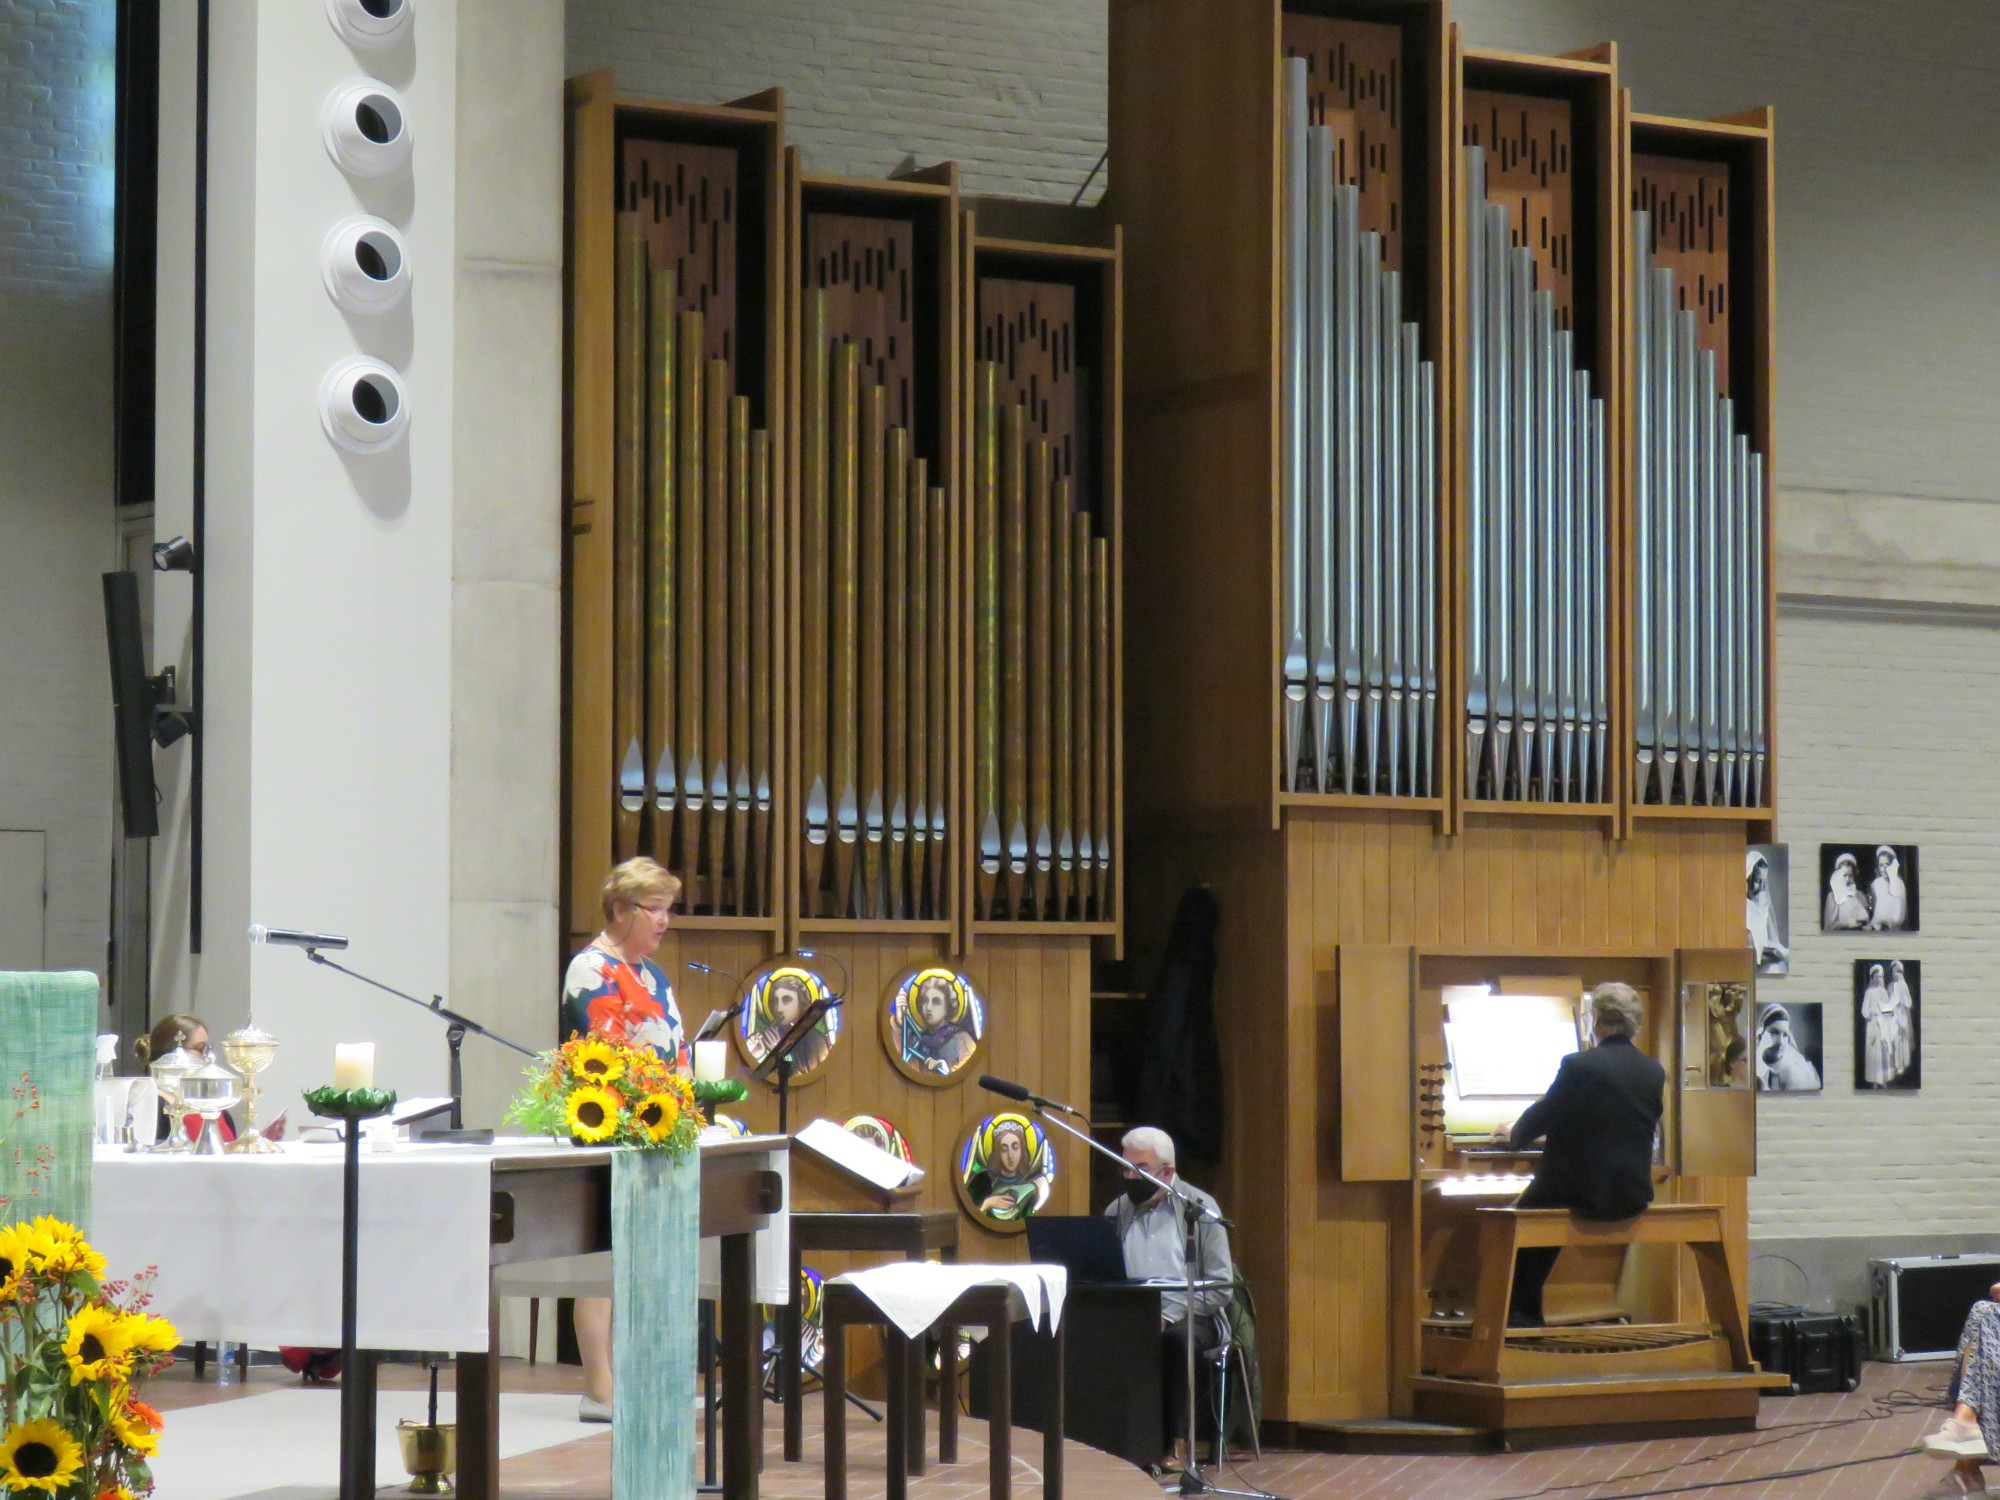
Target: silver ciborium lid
<point x="208" y="1091"/>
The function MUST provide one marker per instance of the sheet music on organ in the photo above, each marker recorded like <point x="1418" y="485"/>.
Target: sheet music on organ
<point x="1504" y="1046"/>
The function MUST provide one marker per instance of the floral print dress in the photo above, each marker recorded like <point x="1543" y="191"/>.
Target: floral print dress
<point x="626" y="1002"/>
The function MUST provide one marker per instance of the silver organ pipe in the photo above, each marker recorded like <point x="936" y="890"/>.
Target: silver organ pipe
<point x="1537" y="696"/>
<point x="1699" y="683"/>
<point x="1358" y="505"/>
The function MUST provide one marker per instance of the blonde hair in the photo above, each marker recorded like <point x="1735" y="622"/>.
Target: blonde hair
<point x="633" y="883"/>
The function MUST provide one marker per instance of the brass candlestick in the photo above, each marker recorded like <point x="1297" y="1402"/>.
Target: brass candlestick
<point x="249" y="1052"/>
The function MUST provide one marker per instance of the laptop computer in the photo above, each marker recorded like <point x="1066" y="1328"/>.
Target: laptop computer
<point x="1086" y="1243"/>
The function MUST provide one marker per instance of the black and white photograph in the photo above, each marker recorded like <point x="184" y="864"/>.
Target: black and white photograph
<point x="1868" y="887"/>
<point x="1888" y="1023"/>
<point x="1790" y="1048"/>
<point x="1767" y="913"/>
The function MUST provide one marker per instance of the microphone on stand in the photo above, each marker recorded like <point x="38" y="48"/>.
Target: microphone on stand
<point x="719" y="1019"/>
<point x="1021" y="1095"/>
<point x="284" y="937"/>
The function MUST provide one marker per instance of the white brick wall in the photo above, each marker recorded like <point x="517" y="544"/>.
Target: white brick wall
<point x="57" y="527"/>
<point x="1013" y="91"/>
<point x="1888" y="727"/>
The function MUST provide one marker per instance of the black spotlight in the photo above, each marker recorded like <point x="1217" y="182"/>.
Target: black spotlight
<point x="174" y="555"/>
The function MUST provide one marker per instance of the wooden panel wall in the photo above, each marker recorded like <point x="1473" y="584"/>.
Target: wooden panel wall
<point x="1036" y="992"/>
<point x="1354" y="83"/>
<point x="685" y="195"/>
<point x="1689" y="202"/>
<point x="1319" y="1252"/>
<point x="1529" y="165"/>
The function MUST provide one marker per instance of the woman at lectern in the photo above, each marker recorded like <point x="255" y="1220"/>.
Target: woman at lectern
<point x="614" y="989"/>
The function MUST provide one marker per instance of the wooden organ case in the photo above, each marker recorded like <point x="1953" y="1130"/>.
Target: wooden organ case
<point x="1457" y="622"/>
<point x="773" y="553"/>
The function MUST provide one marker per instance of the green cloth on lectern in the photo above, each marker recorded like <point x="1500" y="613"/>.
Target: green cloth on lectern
<point x="48" y="1057"/>
<point x="655" y="1286"/>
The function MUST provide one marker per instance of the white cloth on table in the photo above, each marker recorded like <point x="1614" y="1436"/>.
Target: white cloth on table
<point x="248" y="1247"/>
<point x="915" y="1293"/>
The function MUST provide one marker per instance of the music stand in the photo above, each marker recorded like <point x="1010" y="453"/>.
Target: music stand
<point x="779" y="1058"/>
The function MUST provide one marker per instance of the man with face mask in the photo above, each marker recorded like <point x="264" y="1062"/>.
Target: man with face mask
<point x="1154" y="1235"/>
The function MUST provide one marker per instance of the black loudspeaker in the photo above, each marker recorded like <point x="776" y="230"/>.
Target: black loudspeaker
<point x="1821" y="1352"/>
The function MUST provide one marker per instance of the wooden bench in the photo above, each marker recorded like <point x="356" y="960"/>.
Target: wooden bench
<point x="1503" y="1231"/>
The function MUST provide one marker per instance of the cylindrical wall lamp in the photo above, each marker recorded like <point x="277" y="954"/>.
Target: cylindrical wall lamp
<point x="363" y="406"/>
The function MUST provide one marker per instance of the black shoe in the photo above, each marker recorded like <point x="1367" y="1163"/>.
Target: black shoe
<point x="1523" y="1320"/>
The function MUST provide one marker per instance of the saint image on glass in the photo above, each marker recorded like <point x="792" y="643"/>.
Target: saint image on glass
<point x="879" y="1132"/>
<point x="812" y="1320"/>
<point x="934" y="1025"/>
<point x="1728" y="1046"/>
<point x="1888" y="1030"/>
<point x="1868" y="887"/>
<point x="1006" y="1169"/>
<point x="777" y="1003"/>
<point x="1766" y="906"/>
<point x="1789" y="1049"/>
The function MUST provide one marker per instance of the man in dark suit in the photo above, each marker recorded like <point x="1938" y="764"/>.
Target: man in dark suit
<point x="1596" y="1123"/>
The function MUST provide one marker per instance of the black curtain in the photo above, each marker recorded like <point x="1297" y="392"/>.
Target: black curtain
<point x="1180" y="1071"/>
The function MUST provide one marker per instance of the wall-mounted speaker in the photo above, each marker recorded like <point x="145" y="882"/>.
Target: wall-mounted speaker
<point x="366" y="127"/>
<point x="369" y="23"/>
<point x="365" y="265"/>
<point x="363" y="406"/>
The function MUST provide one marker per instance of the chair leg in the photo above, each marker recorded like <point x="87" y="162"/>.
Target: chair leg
<point x="1256" y="1438"/>
<point x="200" y="1358"/>
<point x="534" y="1327"/>
<point x="1219" y="1371"/>
<point x="243" y="1364"/>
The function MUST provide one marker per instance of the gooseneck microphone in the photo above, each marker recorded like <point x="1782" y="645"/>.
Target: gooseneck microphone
<point x="284" y="937"/>
<point x="1020" y="1094"/>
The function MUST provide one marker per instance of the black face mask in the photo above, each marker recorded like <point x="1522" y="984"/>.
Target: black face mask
<point x="1139" y="1191"/>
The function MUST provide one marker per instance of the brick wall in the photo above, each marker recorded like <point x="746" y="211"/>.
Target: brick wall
<point x="57" y="528"/>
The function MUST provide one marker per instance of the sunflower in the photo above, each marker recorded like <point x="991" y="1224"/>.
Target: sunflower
<point x="67" y="1249"/>
<point x="592" y="1113"/>
<point x="136" y="1425"/>
<point x="23" y="1249"/>
<point x="150" y="1333"/>
<point x="597" y="1060"/>
<point x="657" y="1115"/>
<point x="98" y="1345"/>
<point x="39" y="1455"/>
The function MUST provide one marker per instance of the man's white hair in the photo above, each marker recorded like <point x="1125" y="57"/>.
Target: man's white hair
<point x="1617" y="1009"/>
<point x="1150" y="1138"/>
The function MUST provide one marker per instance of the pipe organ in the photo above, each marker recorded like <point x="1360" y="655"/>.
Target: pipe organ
<point x="1359" y="484"/>
<point x="1348" y="232"/>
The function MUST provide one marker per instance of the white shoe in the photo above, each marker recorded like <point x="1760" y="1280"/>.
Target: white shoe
<point x="589" y="1410"/>
<point x="1957" y="1439"/>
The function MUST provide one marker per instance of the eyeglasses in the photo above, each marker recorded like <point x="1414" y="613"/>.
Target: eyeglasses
<point x="657" y="909"/>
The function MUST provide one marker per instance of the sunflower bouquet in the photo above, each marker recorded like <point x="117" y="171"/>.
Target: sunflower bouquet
<point x="74" y="1351"/>
<point x="599" y="1092"/>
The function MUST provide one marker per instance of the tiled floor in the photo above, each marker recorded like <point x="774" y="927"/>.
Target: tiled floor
<point x="1856" y="1447"/>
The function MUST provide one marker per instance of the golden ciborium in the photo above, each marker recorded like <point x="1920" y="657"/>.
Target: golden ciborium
<point x="249" y="1052"/>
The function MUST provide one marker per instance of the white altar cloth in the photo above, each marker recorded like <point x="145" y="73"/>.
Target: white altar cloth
<point x="915" y="1293"/>
<point x="247" y="1248"/>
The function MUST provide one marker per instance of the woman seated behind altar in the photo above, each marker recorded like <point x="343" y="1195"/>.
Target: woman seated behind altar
<point x="614" y="989"/>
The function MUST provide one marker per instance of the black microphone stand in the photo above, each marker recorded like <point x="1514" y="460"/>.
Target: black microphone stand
<point x="1192" y="1480"/>
<point x="456" y="1028"/>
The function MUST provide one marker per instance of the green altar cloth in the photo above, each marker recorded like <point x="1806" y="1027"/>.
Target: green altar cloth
<point x="48" y="1056"/>
<point x="655" y="1280"/>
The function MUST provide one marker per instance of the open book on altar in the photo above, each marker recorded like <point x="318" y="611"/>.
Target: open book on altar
<point x="882" y="1170"/>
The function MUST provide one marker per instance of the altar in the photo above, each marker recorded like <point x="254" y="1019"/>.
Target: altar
<point x="247" y="1248"/>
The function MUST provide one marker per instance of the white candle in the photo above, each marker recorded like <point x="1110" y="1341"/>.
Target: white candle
<point x="711" y="1061"/>
<point x="354" y="1065"/>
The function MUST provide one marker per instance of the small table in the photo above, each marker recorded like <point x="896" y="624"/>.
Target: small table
<point x="995" y="1306"/>
<point x="912" y="1235"/>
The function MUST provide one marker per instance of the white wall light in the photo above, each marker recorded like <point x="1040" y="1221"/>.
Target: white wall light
<point x="369" y="23"/>
<point x="365" y="265"/>
<point x="366" y="127"/>
<point x="363" y="406"/>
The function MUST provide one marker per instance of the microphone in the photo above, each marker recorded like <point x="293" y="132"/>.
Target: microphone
<point x="1020" y="1094"/>
<point x="284" y="937"/>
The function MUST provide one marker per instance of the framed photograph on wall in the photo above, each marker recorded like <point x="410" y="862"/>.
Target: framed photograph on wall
<point x="1790" y="1048"/>
<point x="1868" y="887"/>
<point x="1888" y="1023"/>
<point x="1767" y="906"/>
